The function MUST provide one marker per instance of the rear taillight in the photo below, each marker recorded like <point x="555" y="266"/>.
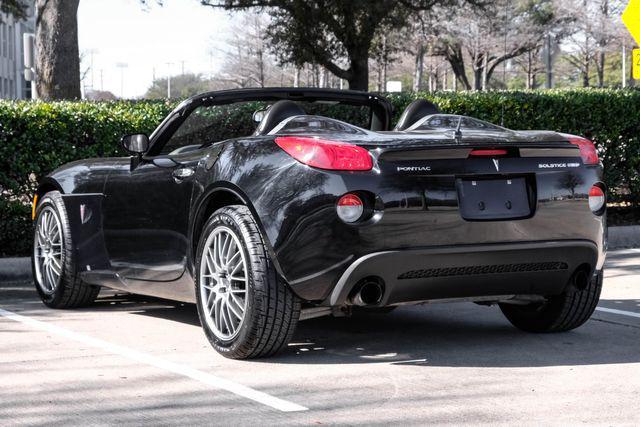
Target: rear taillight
<point x="350" y="208"/>
<point x="588" y="151"/>
<point x="597" y="199"/>
<point x="326" y="154"/>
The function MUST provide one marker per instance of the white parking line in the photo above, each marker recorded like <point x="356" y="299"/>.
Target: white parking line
<point x="614" y="311"/>
<point x="203" y="377"/>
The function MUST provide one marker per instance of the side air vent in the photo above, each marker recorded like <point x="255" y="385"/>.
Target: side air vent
<point x="473" y="270"/>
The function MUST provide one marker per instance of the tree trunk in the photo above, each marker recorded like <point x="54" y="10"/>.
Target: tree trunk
<point x="57" y="55"/>
<point x="445" y="78"/>
<point x="485" y="77"/>
<point x="530" y="70"/>
<point x="477" y="78"/>
<point x="600" y="68"/>
<point x="419" y="69"/>
<point x="379" y="75"/>
<point x="585" y="72"/>
<point x="455" y="58"/>
<point x="316" y="75"/>
<point x="384" y="75"/>
<point x="359" y="72"/>
<point x="261" y="72"/>
<point x="296" y="78"/>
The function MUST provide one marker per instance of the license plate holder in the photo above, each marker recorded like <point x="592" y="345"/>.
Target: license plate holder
<point x="493" y="199"/>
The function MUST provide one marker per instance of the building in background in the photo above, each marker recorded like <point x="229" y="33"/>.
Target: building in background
<point x="12" y="82"/>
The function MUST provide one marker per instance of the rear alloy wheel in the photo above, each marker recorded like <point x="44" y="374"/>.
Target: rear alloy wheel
<point x="224" y="283"/>
<point x="560" y="312"/>
<point x="245" y="308"/>
<point x="53" y="262"/>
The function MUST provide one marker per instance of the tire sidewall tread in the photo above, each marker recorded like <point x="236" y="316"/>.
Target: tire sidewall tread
<point x="272" y="309"/>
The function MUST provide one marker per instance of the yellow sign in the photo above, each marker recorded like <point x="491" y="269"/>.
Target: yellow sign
<point x="631" y="18"/>
<point x="636" y="64"/>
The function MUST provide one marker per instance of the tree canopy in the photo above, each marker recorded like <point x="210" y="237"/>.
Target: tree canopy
<point x="16" y="8"/>
<point x="337" y="35"/>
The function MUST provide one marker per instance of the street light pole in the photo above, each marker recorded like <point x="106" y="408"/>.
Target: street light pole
<point x="169" y="64"/>
<point x="122" y="66"/>
<point x="624" y="65"/>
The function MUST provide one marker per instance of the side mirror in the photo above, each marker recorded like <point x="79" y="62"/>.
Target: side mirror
<point x="136" y="144"/>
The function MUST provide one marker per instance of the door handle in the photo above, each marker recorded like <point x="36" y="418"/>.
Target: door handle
<point x="181" y="174"/>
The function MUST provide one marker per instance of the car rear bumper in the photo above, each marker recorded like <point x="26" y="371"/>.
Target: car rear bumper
<point x="411" y="275"/>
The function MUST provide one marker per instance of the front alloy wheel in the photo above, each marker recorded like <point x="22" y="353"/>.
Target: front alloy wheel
<point x="53" y="263"/>
<point x="48" y="247"/>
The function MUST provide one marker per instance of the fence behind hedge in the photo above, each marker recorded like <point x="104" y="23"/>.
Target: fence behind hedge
<point x="35" y="138"/>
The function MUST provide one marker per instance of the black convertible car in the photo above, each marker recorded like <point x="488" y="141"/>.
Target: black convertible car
<point x="310" y="216"/>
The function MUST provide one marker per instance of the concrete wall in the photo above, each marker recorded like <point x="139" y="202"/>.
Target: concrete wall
<point x="12" y="82"/>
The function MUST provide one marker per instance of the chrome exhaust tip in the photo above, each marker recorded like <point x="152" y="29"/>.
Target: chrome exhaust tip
<point x="369" y="292"/>
<point x="581" y="279"/>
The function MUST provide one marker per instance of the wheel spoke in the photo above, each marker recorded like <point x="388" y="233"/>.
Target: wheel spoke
<point x="223" y="316"/>
<point x="234" y="310"/>
<point x="52" y="280"/>
<point x="211" y="298"/>
<point x="229" y="321"/>
<point x="236" y="267"/>
<point x="216" y="251"/>
<point x="223" y="283"/>
<point x="233" y="258"/>
<point x="55" y="265"/>
<point x="211" y="265"/>
<point x="224" y="249"/>
<point x="237" y="300"/>
<point x="216" y="313"/>
<point x="51" y="225"/>
<point x="44" y="224"/>
<point x="231" y="249"/>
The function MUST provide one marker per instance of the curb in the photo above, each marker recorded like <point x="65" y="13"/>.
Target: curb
<point x="622" y="237"/>
<point x="15" y="269"/>
<point x="19" y="269"/>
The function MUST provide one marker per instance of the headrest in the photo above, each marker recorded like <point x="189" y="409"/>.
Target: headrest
<point x="276" y="114"/>
<point x="415" y="111"/>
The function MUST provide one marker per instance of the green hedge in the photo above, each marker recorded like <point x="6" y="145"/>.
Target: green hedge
<point x="37" y="137"/>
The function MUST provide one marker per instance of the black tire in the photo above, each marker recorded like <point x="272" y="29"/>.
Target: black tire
<point x="560" y="313"/>
<point x="70" y="291"/>
<point x="272" y="310"/>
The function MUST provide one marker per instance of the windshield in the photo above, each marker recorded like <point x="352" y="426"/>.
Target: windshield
<point x="315" y="125"/>
<point x="451" y="121"/>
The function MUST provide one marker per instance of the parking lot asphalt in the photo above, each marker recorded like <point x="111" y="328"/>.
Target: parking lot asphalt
<point x="134" y="360"/>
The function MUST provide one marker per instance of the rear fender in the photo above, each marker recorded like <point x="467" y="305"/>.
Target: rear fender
<point x="200" y="210"/>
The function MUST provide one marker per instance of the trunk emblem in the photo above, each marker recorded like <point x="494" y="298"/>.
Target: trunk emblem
<point x="496" y="164"/>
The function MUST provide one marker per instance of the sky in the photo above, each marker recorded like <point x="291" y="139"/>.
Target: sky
<point x="123" y="32"/>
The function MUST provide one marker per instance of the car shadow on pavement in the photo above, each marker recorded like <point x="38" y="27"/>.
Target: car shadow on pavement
<point x="460" y="334"/>
<point x="457" y="334"/>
